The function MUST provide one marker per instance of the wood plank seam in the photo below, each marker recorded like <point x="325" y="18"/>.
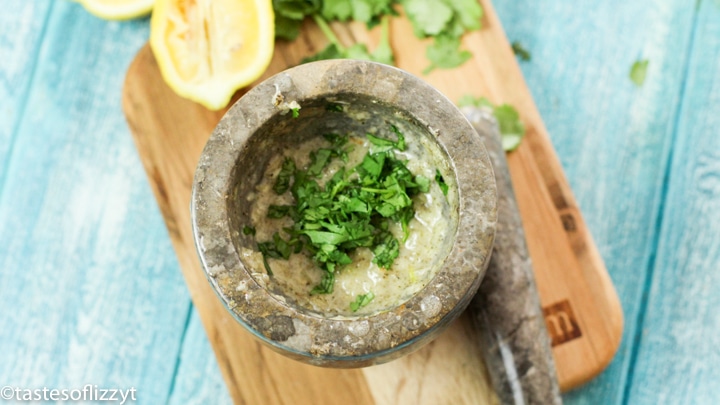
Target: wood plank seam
<point x="660" y="214"/>
<point x="25" y="95"/>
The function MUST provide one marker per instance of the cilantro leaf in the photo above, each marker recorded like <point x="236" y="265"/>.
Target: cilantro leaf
<point x="382" y="142"/>
<point x="286" y="28"/>
<point x="318" y="160"/>
<point x="296" y="9"/>
<point x="521" y="52"/>
<point x="512" y="129"/>
<point x="248" y="230"/>
<point x="423" y="183"/>
<point x="278" y="211"/>
<point x="330" y="52"/>
<point x="441" y="182"/>
<point x="400" y="144"/>
<point x="428" y="18"/>
<point x="361" y="301"/>
<point x="469" y="101"/>
<point x="336" y="140"/>
<point x="386" y="250"/>
<point x="466" y="13"/>
<point x="337" y="9"/>
<point x="334" y="107"/>
<point x="638" y="72"/>
<point x="445" y="53"/>
<point x="326" y="284"/>
<point x="282" y="183"/>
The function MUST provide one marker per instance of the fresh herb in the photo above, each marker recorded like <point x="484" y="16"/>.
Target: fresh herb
<point x="334" y="107"/>
<point x="521" y="52"/>
<point x="441" y="182"/>
<point x="512" y="129"/>
<point x="326" y="284"/>
<point x="282" y="183"/>
<point x="278" y="248"/>
<point x="295" y="112"/>
<point x="355" y="208"/>
<point x="445" y="53"/>
<point x="638" y="72"/>
<point x="278" y="211"/>
<point x="336" y="140"/>
<point x="289" y="15"/>
<point x="335" y="50"/>
<point x="444" y="20"/>
<point x="361" y="301"/>
<point x="248" y="230"/>
<point x="399" y="145"/>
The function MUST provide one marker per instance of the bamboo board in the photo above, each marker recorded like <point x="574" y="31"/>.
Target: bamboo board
<point x="580" y="304"/>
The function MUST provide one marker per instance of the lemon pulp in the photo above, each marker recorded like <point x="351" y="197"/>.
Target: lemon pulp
<point x="207" y="49"/>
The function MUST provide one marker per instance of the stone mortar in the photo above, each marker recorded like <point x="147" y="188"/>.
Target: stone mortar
<point x="258" y="126"/>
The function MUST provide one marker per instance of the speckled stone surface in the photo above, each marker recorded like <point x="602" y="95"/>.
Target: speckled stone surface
<point x="256" y="127"/>
<point x="506" y="309"/>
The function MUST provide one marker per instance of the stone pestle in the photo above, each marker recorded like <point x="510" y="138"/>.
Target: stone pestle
<point x="506" y="310"/>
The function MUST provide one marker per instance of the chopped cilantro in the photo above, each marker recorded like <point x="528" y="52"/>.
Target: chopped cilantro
<point x="282" y="183"/>
<point x="248" y="230"/>
<point x="334" y="107"/>
<point x="445" y="53"/>
<point x="361" y="301"/>
<point x="445" y="20"/>
<point x="353" y="209"/>
<point x="638" y="72"/>
<point x="441" y="182"/>
<point x="335" y="50"/>
<point x="521" y="52"/>
<point x="512" y="129"/>
<point x="278" y="211"/>
<point x="295" y="112"/>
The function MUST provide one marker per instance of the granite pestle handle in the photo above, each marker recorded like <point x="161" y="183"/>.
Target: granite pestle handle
<point x="506" y="310"/>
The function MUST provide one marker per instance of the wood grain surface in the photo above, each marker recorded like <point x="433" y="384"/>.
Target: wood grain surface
<point x="583" y="311"/>
<point x="90" y="288"/>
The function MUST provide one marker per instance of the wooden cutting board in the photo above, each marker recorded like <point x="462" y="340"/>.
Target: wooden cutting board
<point x="581" y="307"/>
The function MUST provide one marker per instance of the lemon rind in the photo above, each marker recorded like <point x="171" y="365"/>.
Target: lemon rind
<point x="137" y="9"/>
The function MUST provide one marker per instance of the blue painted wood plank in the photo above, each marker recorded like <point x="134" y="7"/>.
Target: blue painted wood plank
<point x="613" y="138"/>
<point x="198" y="379"/>
<point x="22" y="27"/>
<point x="680" y="341"/>
<point x="90" y="291"/>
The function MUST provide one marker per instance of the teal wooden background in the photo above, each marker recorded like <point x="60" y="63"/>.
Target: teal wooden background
<point x="90" y="290"/>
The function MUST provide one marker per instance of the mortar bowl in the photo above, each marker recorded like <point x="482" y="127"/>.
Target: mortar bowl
<point x="341" y="96"/>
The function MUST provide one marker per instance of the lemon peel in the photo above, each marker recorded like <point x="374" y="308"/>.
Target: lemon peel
<point x="118" y="9"/>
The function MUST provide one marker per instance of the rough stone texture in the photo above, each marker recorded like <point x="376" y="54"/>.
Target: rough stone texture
<point x="234" y="159"/>
<point x="506" y="309"/>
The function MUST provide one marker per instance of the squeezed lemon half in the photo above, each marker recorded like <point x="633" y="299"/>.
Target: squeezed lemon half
<point x="207" y="49"/>
<point x="118" y="9"/>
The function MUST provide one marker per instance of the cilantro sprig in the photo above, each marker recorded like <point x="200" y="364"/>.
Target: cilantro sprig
<point x="361" y="301"/>
<point x="446" y="21"/>
<point x="355" y="207"/>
